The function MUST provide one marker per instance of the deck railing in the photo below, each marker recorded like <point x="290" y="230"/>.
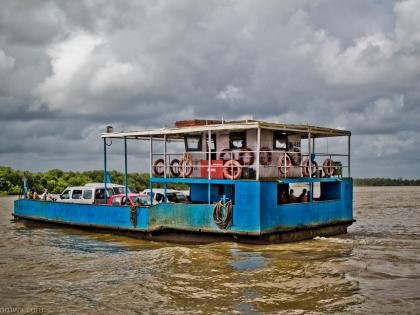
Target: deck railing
<point x="282" y="164"/>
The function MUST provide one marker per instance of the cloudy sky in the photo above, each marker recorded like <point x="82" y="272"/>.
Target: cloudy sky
<point x="69" y="68"/>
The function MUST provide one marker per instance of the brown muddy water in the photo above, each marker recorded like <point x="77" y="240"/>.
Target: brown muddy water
<point x="373" y="269"/>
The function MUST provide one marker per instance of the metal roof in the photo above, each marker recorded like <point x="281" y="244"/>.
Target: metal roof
<point x="303" y="130"/>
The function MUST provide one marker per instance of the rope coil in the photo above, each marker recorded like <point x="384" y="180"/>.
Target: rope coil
<point x="222" y="219"/>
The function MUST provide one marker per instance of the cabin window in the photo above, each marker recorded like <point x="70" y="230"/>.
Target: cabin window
<point x="293" y="193"/>
<point x="99" y="193"/>
<point x="237" y="140"/>
<point x="116" y="201"/>
<point x="329" y="191"/>
<point x="282" y="193"/>
<point x="77" y="194"/>
<point x="316" y="190"/>
<point x="65" y="194"/>
<point x="119" y="190"/>
<point x="212" y="146"/>
<point x="192" y="143"/>
<point x="279" y="141"/>
<point x="87" y="194"/>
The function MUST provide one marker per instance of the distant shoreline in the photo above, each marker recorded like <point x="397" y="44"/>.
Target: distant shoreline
<point x="383" y="182"/>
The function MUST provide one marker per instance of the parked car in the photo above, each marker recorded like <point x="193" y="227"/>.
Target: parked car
<point x="133" y="198"/>
<point x="92" y="193"/>
<point x="172" y="195"/>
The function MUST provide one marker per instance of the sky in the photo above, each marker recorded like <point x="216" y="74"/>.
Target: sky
<point x="70" y="68"/>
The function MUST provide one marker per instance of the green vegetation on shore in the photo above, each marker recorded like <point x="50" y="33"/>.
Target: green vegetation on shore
<point x="56" y="180"/>
<point x="386" y="182"/>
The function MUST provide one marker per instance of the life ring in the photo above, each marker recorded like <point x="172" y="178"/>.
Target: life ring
<point x="228" y="153"/>
<point x="246" y="156"/>
<point x="305" y="168"/>
<point x="328" y="167"/>
<point x="266" y="156"/>
<point x="174" y="167"/>
<point x="232" y="169"/>
<point x="295" y="156"/>
<point x="284" y="163"/>
<point x="160" y="163"/>
<point x="187" y="171"/>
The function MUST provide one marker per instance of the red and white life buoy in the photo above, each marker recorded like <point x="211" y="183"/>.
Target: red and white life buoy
<point x="266" y="156"/>
<point x="158" y="167"/>
<point x="328" y="167"/>
<point x="284" y="164"/>
<point x="232" y="169"/>
<point x="305" y="168"/>
<point x="185" y="168"/>
<point x="226" y="155"/>
<point x="246" y="156"/>
<point x="174" y="167"/>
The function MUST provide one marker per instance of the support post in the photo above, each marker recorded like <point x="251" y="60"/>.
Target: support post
<point x="164" y="169"/>
<point x="258" y="152"/>
<point x="209" y="165"/>
<point x="150" y="170"/>
<point x="310" y="153"/>
<point x="348" y="156"/>
<point x="105" y="171"/>
<point x="164" y="156"/>
<point x="151" y="156"/>
<point x="125" y="170"/>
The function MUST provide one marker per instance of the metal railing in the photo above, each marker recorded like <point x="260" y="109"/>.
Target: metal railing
<point x="288" y="164"/>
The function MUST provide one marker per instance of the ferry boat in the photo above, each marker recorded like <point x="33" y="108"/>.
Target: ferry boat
<point x="240" y="176"/>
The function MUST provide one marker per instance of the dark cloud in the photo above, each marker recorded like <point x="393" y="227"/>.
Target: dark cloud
<point x="68" y="69"/>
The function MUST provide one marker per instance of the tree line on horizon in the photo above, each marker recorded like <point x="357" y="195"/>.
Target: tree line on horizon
<point x="57" y="180"/>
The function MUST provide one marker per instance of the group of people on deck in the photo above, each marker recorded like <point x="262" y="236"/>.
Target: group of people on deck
<point x="32" y="194"/>
<point x="291" y="198"/>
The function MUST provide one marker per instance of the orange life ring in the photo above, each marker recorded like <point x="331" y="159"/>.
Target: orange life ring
<point x="156" y="166"/>
<point x="284" y="163"/>
<point x="174" y="167"/>
<point x="232" y="169"/>
<point x="225" y="152"/>
<point x="266" y="157"/>
<point x="305" y="168"/>
<point x="328" y="167"/>
<point x="188" y="168"/>
<point x="246" y="156"/>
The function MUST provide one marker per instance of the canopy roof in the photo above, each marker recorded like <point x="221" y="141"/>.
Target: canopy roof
<point x="303" y="130"/>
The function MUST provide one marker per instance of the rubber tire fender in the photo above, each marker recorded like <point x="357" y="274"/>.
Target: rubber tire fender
<point x="156" y="166"/>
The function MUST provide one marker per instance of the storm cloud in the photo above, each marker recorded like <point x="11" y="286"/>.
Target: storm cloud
<point x="68" y="69"/>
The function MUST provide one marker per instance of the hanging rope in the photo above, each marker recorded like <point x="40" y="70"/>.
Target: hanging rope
<point x="223" y="220"/>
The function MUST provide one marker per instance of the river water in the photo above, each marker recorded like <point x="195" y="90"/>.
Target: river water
<point x="375" y="268"/>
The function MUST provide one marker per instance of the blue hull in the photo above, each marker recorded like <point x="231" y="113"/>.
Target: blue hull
<point x="256" y="216"/>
